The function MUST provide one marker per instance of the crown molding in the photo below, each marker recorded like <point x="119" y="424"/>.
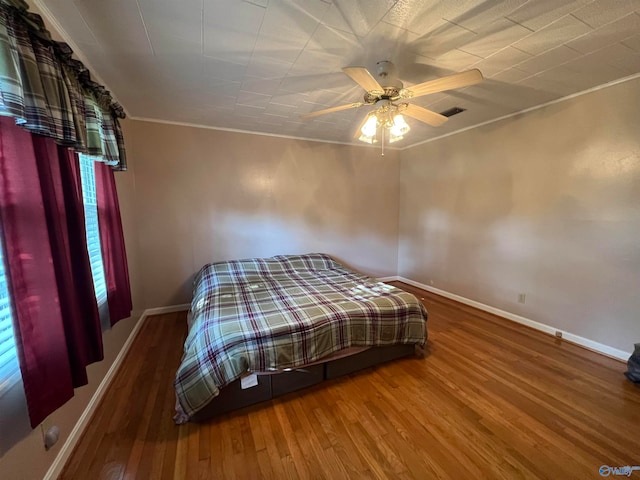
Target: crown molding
<point x="249" y="132"/>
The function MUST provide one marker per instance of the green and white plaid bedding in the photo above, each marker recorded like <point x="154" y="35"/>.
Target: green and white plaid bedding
<point x="260" y="315"/>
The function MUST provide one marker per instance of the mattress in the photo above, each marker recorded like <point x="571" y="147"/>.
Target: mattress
<point x="272" y="314"/>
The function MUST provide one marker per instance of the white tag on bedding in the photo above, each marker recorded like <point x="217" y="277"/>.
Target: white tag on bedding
<point x="249" y="381"/>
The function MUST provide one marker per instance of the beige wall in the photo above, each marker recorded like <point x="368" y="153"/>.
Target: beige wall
<point x="126" y="186"/>
<point x="205" y="195"/>
<point x="22" y="453"/>
<point x="546" y="204"/>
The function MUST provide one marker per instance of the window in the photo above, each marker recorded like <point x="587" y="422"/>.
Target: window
<point x="88" y="176"/>
<point x="9" y="367"/>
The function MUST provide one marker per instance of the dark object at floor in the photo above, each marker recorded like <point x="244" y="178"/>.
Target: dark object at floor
<point x="633" y="364"/>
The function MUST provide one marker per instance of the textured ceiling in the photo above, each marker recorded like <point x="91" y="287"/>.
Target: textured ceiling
<point x="258" y="65"/>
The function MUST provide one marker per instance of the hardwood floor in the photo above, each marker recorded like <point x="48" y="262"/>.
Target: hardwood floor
<point x="491" y="399"/>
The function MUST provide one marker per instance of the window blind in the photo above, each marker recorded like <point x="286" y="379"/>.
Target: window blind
<point x="88" y="177"/>
<point x="9" y="367"/>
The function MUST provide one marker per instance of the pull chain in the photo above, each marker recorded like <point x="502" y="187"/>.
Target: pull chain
<point x="382" y="132"/>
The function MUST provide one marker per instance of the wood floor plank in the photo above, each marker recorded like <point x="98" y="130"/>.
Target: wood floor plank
<point x="490" y="399"/>
<point x="305" y="467"/>
<point x="216" y="451"/>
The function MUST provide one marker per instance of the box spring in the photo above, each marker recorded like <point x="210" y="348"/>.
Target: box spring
<point x="233" y="397"/>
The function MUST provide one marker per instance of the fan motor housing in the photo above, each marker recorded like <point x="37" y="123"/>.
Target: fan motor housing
<point x="387" y="74"/>
<point x="390" y="93"/>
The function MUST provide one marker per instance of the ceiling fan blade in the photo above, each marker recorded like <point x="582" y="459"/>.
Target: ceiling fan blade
<point x="457" y="80"/>
<point x="424" y="115"/>
<point x="331" y="110"/>
<point x="362" y="77"/>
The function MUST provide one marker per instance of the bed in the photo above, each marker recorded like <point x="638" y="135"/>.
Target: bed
<point x="262" y="327"/>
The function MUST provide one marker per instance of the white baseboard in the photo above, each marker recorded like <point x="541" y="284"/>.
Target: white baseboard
<point x="169" y="309"/>
<point x="65" y="452"/>
<point x="567" y="336"/>
<point x="387" y="279"/>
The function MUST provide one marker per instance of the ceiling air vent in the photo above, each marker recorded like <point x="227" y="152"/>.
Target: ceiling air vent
<point x="452" y="111"/>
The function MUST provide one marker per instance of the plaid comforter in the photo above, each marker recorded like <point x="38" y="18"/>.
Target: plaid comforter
<point x="269" y="314"/>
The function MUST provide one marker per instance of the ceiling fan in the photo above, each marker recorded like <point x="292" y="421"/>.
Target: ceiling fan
<point x="386" y="91"/>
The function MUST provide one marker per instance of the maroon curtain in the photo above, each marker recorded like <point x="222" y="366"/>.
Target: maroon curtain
<point x="114" y="256"/>
<point x="56" y="319"/>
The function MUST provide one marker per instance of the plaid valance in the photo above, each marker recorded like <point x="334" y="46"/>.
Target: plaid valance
<point x="50" y="93"/>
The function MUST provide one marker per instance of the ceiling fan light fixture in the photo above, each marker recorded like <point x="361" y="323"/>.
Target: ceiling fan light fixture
<point x="369" y="127"/>
<point x="384" y="117"/>
<point x="368" y="139"/>
<point x="394" y="138"/>
<point x="399" y="127"/>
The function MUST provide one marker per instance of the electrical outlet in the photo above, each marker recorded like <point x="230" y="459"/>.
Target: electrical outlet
<point x="558" y="334"/>
<point x="50" y="433"/>
<point x="51" y="437"/>
<point x="522" y="298"/>
<point x="431" y="282"/>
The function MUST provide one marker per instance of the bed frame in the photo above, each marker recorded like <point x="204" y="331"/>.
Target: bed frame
<point x="233" y="397"/>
